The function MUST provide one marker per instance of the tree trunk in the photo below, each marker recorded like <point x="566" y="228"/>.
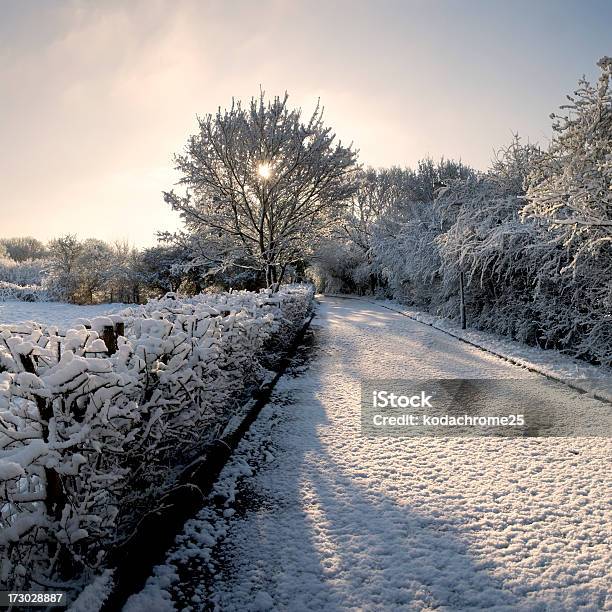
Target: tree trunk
<point x="270" y="275"/>
<point x="281" y="275"/>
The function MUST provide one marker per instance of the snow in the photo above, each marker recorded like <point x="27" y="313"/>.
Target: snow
<point x="94" y="595"/>
<point x="262" y="602"/>
<point x="592" y="379"/>
<point x="52" y="313"/>
<point x="326" y="519"/>
<point x="10" y="469"/>
<point x="110" y="412"/>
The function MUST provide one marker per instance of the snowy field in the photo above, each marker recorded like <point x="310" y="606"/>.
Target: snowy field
<point x="52" y="313"/>
<point x="310" y="515"/>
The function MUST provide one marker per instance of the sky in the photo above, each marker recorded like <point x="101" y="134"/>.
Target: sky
<point x="96" y="97"/>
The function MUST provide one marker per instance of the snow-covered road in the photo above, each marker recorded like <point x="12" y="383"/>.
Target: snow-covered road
<point x="313" y="516"/>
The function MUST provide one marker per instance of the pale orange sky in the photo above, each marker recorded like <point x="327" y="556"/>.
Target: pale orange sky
<point x="96" y="97"/>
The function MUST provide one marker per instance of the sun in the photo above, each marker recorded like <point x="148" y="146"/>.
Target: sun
<point x="264" y="170"/>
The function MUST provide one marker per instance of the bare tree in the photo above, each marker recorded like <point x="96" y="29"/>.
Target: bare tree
<point x="262" y="185"/>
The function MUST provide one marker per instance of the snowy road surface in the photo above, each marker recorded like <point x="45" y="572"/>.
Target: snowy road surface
<point x="310" y="515"/>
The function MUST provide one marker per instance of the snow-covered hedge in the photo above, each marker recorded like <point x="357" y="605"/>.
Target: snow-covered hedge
<point x="88" y="439"/>
<point x="28" y="272"/>
<point x="24" y="293"/>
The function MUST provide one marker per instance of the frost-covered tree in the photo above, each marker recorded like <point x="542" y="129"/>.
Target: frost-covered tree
<point x="265" y="182"/>
<point x="210" y="258"/>
<point x="378" y="192"/>
<point x="123" y="274"/>
<point x="570" y="199"/>
<point x="570" y="188"/>
<point x="78" y="270"/>
<point x="161" y="267"/>
<point x="405" y="251"/>
<point x="375" y="242"/>
<point x="63" y="253"/>
<point x="403" y="246"/>
<point x="485" y="238"/>
<point x="23" y="248"/>
<point x="353" y="267"/>
<point x="430" y="176"/>
<point x="94" y="269"/>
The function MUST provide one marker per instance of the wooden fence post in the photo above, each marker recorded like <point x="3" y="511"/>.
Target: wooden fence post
<point x="110" y="339"/>
<point x="55" y="498"/>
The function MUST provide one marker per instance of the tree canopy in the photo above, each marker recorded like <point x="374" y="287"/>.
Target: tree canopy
<point x="262" y="184"/>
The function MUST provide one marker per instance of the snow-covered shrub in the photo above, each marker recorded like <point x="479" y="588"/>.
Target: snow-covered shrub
<point x="27" y="272"/>
<point x="24" y="293"/>
<point x="89" y="440"/>
<point x="340" y="267"/>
